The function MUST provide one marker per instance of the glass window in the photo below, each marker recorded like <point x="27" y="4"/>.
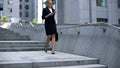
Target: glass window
<point x="26" y="14"/>
<point x="102" y="3"/>
<point x="1" y="1"/>
<point x="1" y="5"/>
<point x="20" y="14"/>
<point x="20" y="0"/>
<point x="11" y="10"/>
<point x="119" y="21"/>
<point x="102" y="20"/>
<point x="26" y="0"/>
<point x="1" y="13"/>
<point x="20" y="6"/>
<point x="26" y="7"/>
<point x="118" y="3"/>
<point x="10" y="2"/>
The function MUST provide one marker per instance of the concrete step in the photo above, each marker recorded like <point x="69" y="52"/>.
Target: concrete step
<point x="9" y="32"/>
<point x="23" y="49"/>
<point x="6" y="35"/>
<point x="2" y="28"/>
<point x="21" y="45"/>
<point x="14" y="39"/>
<point x="2" y="37"/>
<point x="82" y="66"/>
<point x="17" y="37"/>
<point x="9" y="35"/>
<point x="40" y="59"/>
<point x="13" y="34"/>
<point x="5" y="31"/>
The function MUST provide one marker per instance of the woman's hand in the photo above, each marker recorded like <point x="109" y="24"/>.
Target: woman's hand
<point x="50" y="14"/>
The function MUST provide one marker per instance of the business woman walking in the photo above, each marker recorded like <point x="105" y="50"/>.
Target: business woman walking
<point x="50" y="25"/>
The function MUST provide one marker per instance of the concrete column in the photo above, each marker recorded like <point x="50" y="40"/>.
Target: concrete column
<point x="113" y="13"/>
<point x="60" y="11"/>
<point x="73" y="12"/>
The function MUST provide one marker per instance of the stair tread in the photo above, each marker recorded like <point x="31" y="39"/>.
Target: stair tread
<point x="8" y="35"/>
<point x="82" y="66"/>
<point x="23" y="49"/>
<point x="44" y="59"/>
<point x="20" y="47"/>
<point x="21" y="42"/>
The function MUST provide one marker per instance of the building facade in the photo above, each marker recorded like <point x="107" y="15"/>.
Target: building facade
<point x="88" y="11"/>
<point x="36" y="9"/>
<point x="23" y="9"/>
<point x="1" y="8"/>
<point x="1" y="5"/>
<point x="82" y="11"/>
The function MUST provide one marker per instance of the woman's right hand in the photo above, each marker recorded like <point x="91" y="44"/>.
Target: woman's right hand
<point x="50" y="14"/>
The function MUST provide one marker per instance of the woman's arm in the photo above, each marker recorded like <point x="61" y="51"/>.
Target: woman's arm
<point x="50" y="14"/>
<point x="44" y="16"/>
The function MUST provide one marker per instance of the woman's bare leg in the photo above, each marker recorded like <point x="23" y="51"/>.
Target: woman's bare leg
<point x="47" y="41"/>
<point x="53" y="43"/>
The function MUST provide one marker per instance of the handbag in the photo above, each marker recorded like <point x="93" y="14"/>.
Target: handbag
<point x="56" y="37"/>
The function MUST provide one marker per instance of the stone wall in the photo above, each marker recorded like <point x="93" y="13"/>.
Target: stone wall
<point x="92" y="41"/>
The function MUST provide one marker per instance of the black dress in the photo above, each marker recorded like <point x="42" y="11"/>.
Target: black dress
<point x="50" y="24"/>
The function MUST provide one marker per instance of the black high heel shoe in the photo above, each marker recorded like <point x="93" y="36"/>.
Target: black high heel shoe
<point x="53" y="53"/>
<point x="45" y="50"/>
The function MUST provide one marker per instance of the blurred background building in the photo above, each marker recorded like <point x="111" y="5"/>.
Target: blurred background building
<point x="88" y="11"/>
<point x="23" y="9"/>
<point x="1" y="7"/>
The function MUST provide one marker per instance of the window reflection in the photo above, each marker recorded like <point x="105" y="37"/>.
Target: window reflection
<point x="102" y="20"/>
<point x="102" y="3"/>
<point x="119" y="21"/>
<point x="10" y="2"/>
<point x="1" y="5"/>
<point x="118" y="3"/>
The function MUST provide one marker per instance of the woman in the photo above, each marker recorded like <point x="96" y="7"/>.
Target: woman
<point x="50" y="25"/>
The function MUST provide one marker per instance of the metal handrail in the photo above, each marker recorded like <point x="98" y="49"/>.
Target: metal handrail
<point x="89" y="24"/>
<point x="94" y="24"/>
<point x="111" y="25"/>
<point x="81" y="25"/>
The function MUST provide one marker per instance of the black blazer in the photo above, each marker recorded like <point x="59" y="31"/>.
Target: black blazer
<point x="49" y="20"/>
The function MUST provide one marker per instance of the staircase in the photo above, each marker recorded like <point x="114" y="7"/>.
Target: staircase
<point x="10" y="41"/>
<point x="6" y="35"/>
<point x="18" y="51"/>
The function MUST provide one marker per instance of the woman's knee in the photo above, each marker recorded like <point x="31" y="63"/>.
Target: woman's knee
<point x="53" y="36"/>
<point x="49" y="36"/>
